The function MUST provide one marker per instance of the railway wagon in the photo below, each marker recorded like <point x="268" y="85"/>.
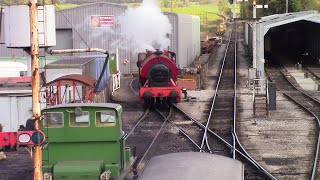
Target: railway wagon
<point x="221" y="29"/>
<point x="85" y="141"/>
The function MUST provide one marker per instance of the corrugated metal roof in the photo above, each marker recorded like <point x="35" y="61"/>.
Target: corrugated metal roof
<point x="315" y="19"/>
<point x="87" y="80"/>
<point x="288" y="17"/>
<point x="106" y="105"/>
<point x="268" y="22"/>
<point x="75" y="62"/>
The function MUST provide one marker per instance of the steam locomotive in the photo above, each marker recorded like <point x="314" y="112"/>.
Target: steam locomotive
<point x="158" y="74"/>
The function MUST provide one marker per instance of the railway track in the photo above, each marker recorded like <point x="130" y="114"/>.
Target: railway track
<point x="160" y="130"/>
<point x="221" y="135"/>
<point x="222" y="115"/>
<point x="310" y="104"/>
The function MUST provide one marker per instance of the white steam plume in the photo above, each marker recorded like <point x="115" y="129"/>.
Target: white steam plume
<point x="145" y="27"/>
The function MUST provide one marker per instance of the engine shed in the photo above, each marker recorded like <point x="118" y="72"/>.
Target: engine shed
<point x="285" y="39"/>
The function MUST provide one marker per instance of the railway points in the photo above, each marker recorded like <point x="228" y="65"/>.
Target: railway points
<point x="220" y="120"/>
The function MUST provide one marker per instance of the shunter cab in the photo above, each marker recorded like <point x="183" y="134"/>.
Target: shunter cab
<point x="85" y="141"/>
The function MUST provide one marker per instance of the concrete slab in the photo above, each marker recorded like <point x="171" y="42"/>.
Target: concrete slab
<point x="305" y="83"/>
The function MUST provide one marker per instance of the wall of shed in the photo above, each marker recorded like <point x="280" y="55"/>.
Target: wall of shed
<point x="83" y="33"/>
<point x="15" y="111"/>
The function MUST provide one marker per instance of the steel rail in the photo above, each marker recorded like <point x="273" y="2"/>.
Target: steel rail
<point x="313" y="73"/>
<point x="154" y="139"/>
<point x="205" y="137"/>
<point x="134" y="127"/>
<point x="131" y="87"/>
<point x="180" y="129"/>
<point x="234" y="95"/>
<point x="234" y="131"/>
<point x="213" y="133"/>
<point x="245" y="154"/>
<point x="316" y="156"/>
<point x="315" y="160"/>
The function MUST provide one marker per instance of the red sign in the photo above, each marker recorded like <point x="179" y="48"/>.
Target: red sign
<point x="102" y="21"/>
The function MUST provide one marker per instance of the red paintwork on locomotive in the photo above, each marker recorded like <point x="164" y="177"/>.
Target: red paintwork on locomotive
<point x="152" y="57"/>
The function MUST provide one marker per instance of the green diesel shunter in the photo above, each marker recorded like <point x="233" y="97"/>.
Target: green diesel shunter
<point x="85" y="141"/>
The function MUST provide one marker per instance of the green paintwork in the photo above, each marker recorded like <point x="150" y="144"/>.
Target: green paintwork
<point x="77" y="170"/>
<point x="84" y="152"/>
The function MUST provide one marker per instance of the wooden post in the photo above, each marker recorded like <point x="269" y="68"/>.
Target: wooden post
<point x="36" y="109"/>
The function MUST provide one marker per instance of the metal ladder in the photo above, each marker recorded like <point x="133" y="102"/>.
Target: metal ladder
<point x="260" y="97"/>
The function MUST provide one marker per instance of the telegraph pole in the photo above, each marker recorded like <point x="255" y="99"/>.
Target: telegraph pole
<point x="287" y="4"/>
<point x="35" y="68"/>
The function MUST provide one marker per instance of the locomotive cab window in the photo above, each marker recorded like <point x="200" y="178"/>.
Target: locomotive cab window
<point x="53" y="119"/>
<point x="79" y="119"/>
<point x="105" y="118"/>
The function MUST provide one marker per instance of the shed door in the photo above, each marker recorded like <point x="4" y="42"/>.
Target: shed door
<point x="15" y="111"/>
<point x="24" y="109"/>
<point x="64" y="40"/>
<point x="5" y="113"/>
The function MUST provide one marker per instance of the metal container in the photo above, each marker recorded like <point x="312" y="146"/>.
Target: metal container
<point x="94" y="69"/>
<point x="185" y="48"/>
<point x="196" y="37"/>
<point x="2" y="36"/>
<point x="46" y="26"/>
<point x="17" y="27"/>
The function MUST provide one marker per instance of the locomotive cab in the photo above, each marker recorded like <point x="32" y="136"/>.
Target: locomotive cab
<point x="85" y="141"/>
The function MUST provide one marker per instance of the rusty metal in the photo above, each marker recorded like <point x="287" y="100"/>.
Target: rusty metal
<point x="73" y="80"/>
<point x="36" y="109"/>
<point x="82" y="79"/>
<point x="78" y="51"/>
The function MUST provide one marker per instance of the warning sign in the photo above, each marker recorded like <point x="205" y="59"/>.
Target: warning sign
<point x="102" y="21"/>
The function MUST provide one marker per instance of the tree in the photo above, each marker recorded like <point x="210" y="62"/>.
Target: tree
<point x="25" y="2"/>
<point x="279" y="7"/>
<point x="223" y="6"/>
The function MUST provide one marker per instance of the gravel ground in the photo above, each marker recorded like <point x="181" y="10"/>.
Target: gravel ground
<point x="17" y="166"/>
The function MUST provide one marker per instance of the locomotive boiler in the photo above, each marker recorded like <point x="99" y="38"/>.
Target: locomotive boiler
<point x="158" y="74"/>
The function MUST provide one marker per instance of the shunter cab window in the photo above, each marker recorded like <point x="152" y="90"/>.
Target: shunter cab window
<point x="79" y="119"/>
<point x="53" y="119"/>
<point x="105" y="118"/>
